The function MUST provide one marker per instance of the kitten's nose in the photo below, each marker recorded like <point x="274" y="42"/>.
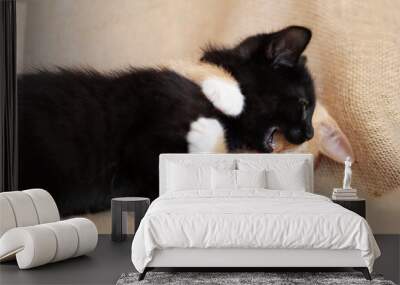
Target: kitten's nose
<point x="309" y="133"/>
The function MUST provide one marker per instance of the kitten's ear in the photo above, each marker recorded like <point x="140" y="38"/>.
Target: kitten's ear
<point x="331" y="140"/>
<point x="286" y="46"/>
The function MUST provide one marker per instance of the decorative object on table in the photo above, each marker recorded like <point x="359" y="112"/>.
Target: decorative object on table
<point x="345" y="193"/>
<point x="357" y="206"/>
<point x="347" y="174"/>
<point x="119" y="213"/>
<point x="248" y="278"/>
<point x="31" y="230"/>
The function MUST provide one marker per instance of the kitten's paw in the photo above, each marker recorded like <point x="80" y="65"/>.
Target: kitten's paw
<point x="224" y="95"/>
<point x="206" y="135"/>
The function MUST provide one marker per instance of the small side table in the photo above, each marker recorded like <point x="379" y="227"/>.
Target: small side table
<point x="357" y="206"/>
<point x="119" y="214"/>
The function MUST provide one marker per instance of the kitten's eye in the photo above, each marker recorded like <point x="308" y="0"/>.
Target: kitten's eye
<point x="303" y="104"/>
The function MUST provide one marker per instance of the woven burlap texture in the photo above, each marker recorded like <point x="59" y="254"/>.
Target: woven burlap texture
<point x="364" y="97"/>
<point x="356" y="60"/>
<point x="354" y="57"/>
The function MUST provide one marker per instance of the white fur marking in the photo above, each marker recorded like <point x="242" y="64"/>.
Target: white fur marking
<point x="224" y="95"/>
<point x="204" y="135"/>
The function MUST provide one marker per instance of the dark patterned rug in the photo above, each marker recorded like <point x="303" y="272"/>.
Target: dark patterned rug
<point x="243" y="278"/>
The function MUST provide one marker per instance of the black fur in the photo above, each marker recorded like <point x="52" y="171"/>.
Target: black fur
<point x="87" y="137"/>
<point x="279" y="89"/>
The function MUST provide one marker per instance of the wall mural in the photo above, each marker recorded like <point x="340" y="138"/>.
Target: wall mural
<point x="87" y="136"/>
<point x="78" y="140"/>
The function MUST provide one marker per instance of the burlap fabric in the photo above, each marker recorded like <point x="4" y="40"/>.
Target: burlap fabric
<point x="355" y="58"/>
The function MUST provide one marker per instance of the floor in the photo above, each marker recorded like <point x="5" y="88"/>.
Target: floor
<point x="389" y="262"/>
<point x="110" y="260"/>
<point x="103" y="266"/>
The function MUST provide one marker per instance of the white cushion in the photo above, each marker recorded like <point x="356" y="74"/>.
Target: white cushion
<point x="188" y="177"/>
<point x="87" y="233"/>
<point x="66" y="237"/>
<point x="45" y="205"/>
<point x="284" y="163"/>
<point x="23" y="208"/>
<point x="32" y="246"/>
<point x="7" y="218"/>
<point x="251" y="178"/>
<point x="187" y="160"/>
<point x="41" y="244"/>
<point x="293" y="180"/>
<point x="202" y="160"/>
<point x="288" y="174"/>
<point x="231" y="180"/>
<point x="223" y="179"/>
<point x="26" y="208"/>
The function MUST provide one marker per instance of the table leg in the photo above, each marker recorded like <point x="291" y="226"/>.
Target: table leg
<point x="116" y="221"/>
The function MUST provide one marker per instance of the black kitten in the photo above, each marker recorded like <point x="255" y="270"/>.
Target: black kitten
<point x="86" y="136"/>
<point x="279" y="89"/>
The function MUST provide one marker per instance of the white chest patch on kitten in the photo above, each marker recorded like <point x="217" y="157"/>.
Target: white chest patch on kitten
<point x="224" y="95"/>
<point x="206" y="136"/>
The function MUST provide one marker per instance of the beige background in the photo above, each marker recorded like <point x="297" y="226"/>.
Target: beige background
<point x="354" y="56"/>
